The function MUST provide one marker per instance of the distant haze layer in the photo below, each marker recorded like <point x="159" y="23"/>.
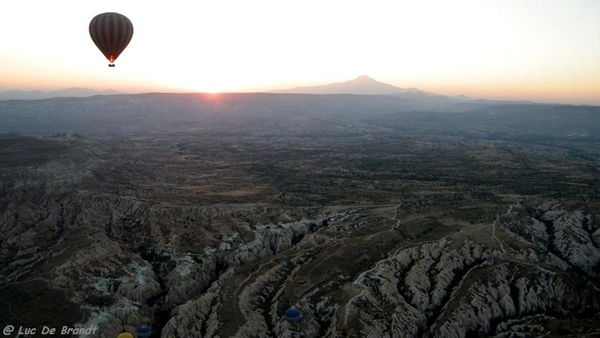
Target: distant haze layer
<point x="362" y="85"/>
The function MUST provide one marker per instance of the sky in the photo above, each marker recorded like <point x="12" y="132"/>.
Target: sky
<point x="541" y="50"/>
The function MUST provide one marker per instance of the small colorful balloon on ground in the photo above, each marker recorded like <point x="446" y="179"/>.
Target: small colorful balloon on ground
<point x="292" y="316"/>
<point x="143" y="331"/>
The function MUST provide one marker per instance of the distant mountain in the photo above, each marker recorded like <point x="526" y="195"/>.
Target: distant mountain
<point x="422" y="100"/>
<point x="68" y="92"/>
<point x="361" y="85"/>
<point x="413" y="98"/>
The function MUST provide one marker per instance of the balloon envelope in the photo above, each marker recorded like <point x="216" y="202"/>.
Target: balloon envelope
<point x="125" y="335"/>
<point x="143" y="331"/>
<point x="111" y="32"/>
<point x="292" y="316"/>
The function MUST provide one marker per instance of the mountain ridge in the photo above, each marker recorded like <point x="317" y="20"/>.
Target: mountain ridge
<point x="66" y="92"/>
<point x="363" y="84"/>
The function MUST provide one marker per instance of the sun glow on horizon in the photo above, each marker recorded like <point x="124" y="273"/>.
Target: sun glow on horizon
<point x="536" y="49"/>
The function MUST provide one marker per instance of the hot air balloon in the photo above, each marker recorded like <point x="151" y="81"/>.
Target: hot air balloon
<point x="292" y="316"/>
<point x="125" y="335"/>
<point x="143" y="331"/>
<point x="111" y="32"/>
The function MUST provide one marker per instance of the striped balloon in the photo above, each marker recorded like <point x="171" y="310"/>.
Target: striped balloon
<point x="111" y="32"/>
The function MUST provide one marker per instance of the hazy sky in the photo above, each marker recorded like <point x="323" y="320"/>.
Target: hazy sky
<point x="545" y="50"/>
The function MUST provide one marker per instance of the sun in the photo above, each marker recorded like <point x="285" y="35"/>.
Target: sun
<point x="211" y="88"/>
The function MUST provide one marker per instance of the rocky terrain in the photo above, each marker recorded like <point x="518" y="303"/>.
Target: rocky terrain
<point x="368" y="232"/>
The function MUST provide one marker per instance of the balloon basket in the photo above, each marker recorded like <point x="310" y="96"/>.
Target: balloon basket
<point x="111" y="64"/>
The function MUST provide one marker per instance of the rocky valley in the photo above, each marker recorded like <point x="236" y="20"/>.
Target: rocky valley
<point x="214" y="220"/>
